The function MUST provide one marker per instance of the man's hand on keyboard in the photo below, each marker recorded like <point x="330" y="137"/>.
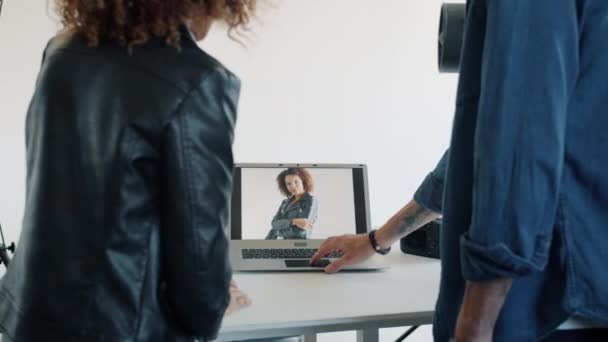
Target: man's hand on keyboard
<point x="354" y="248"/>
<point x="238" y="299"/>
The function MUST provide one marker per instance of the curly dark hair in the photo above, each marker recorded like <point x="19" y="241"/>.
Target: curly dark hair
<point x="134" y="22"/>
<point x="301" y="172"/>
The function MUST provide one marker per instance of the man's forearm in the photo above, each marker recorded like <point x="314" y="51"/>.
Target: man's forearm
<point x="407" y="220"/>
<point x="480" y="309"/>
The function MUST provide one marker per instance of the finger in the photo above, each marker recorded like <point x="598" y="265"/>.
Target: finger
<point x="242" y="300"/>
<point x="329" y="246"/>
<point x="238" y="301"/>
<point x="325" y="248"/>
<point x="336" y="265"/>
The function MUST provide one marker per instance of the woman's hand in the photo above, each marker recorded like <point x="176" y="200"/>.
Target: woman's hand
<point x="238" y="299"/>
<point x="302" y="223"/>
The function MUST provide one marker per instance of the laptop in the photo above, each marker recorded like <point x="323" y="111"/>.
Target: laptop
<point x="282" y="213"/>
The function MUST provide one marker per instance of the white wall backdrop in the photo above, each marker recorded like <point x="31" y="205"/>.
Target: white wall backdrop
<point x="345" y="81"/>
<point x="25" y="27"/>
<point x="327" y="81"/>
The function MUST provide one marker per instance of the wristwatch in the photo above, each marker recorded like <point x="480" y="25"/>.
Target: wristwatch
<point x="375" y="245"/>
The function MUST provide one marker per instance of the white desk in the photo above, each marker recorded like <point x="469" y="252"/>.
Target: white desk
<point x="291" y="304"/>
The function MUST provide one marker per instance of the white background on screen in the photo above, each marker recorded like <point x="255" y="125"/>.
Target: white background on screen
<point x="260" y="200"/>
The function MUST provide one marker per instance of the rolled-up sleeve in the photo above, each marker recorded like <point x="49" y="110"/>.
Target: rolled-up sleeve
<point x="529" y="67"/>
<point x="430" y="192"/>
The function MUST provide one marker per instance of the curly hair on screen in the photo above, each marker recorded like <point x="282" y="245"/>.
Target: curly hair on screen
<point x="301" y="172"/>
<point x="134" y="22"/>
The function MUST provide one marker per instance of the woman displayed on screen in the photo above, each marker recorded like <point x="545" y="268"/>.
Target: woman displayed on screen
<point x="298" y="211"/>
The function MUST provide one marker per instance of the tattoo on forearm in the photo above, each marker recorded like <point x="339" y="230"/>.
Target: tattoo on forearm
<point x="411" y="222"/>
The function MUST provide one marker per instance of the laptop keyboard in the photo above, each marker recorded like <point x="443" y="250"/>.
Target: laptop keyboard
<point x="279" y="253"/>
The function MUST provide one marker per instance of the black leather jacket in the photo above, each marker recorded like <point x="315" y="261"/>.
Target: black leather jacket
<point x="129" y="171"/>
<point x="282" y="228"/>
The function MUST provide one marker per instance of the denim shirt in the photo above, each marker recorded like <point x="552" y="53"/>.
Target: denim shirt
<point x="525" y="182"/>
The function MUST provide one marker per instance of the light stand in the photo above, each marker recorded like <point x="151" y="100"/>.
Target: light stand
<point x="4" y="257"/>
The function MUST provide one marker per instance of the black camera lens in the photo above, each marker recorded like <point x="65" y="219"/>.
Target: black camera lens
<point x="451" y="32"/>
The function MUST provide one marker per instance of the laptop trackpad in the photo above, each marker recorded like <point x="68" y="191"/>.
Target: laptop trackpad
<point x="306" y="263"/>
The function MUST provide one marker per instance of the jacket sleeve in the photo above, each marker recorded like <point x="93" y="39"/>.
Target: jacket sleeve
<point x="529" y="67"/>
<point x="278" y="222"/>
<point x="198" y="164"/>
<point x="311" y="210"/>
<point x="430" y="192"/>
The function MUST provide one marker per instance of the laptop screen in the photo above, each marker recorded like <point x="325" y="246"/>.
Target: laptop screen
<point x="295" y="202"/>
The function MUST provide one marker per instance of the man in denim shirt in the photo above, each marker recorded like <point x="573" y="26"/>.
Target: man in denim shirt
<point x="525" y="225"/>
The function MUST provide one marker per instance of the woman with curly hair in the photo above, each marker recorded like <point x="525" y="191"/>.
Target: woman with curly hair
<point x="297" y="213"/>
<point x="129" y="158"/>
